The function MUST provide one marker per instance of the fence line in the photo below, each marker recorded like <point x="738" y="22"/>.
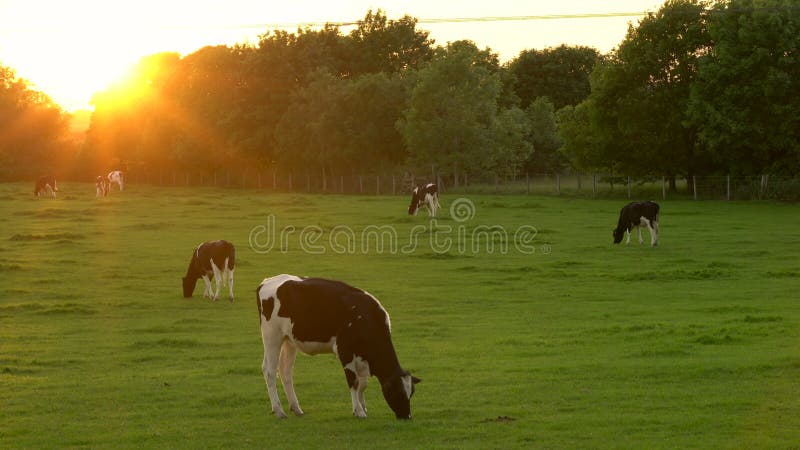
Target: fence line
<point x="715" y="187"/>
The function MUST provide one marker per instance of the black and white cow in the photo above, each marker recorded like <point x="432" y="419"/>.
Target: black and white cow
<point x="217" y="258"/>
<point x="45" y="185"/>
<point x="638" y="215"/>
<point x="424" y="195"/>
<point x="115" y="176"/>
<point x="101" y="186"/>
<point x="315" y="316"/>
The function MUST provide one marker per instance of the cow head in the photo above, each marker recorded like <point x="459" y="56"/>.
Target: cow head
<point x="188" y="285"/>
<point x="397" y="391"/>
<point x="618" y="234"/>
<point x="412" y="209"/>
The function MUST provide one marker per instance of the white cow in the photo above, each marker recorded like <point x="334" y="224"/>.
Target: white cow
<point x="115" y="176"/>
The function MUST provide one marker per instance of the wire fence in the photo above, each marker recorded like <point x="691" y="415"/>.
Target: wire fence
<point x="760" y="187"/>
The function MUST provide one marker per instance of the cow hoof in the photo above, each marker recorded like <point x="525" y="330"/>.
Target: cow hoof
<point x="299" y="413"/>
<point x="280" y="415"/>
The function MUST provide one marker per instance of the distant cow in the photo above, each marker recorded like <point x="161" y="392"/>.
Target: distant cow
<point x="638" y="214"/>
<point x="115" y="176"/>
<point x="217" y="258"/>
<point x="324" y="316"/>
<point x="45" y="185"/>
<point x="424" y="195"/>
<point x="101" y="186"/>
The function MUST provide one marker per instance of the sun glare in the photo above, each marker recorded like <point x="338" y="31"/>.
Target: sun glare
<point x="80" y="48"/>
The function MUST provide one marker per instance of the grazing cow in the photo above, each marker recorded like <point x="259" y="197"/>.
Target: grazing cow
<point x="115" y="176"/>
<point x="638" y="214"/>
<point x="315" y="316"/>
<point x="424" y="195"/>
<point x="214" y="257"/>
<point x="45" y="185"/>
<point x="101" y="186"/>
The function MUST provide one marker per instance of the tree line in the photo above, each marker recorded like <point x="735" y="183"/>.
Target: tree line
<point x="694" y="88"/>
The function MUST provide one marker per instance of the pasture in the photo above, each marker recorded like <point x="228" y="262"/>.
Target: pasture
<point x="577" y="343"/>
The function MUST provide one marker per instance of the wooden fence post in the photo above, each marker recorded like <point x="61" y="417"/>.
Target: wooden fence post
<point x="558" y="184"/>
<point x="579" y="180"/>
<point x="360" y="184"/>
<point x="694" y="186"/>
<point x="528" y="182"/>
<point x="629" y="188"/>
<point x="728" y="187"/>
<point x="663" y="188"/>
<point x="594" y="185"/>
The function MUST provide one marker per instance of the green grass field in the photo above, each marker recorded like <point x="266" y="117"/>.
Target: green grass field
<point x="580" y="344"/>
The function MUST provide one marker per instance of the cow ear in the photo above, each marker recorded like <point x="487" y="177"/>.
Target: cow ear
<point x="415" y="380"/>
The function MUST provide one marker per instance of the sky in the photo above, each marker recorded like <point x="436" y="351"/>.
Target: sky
<point x="72" y="49"/>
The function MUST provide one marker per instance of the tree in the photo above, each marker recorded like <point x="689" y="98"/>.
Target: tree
<point x="448" y="123"/>
<point x="311" y="131"/>
<point x="32" y="129"/>
<point x="746" y="99"/>
<point x="382" y="45"/>
<point x="560" y="73"/>
<point x="640" y="95"/>
<point x="579" y="142"/>
<point x="543" y="136"/>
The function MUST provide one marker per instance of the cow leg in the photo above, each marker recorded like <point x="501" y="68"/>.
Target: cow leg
<point x="356" y="371"/>
<point x="627" y="236"/>
<point x="639" y="230"/>
<point x="217" y="280"/>
<point x="362" y="386"/>
<point x="645" y="222"/>
<point x="207" y="283"/>
<point x="655" y="229"/>
<point x="286" y="367"/>
<point x="652" y="227"/>
<point x="230" y="283"/>
<point x="269" y="367"/>
<point x="356" y="391"/>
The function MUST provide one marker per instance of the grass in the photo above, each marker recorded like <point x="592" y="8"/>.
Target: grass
<point x="580" y="343"/>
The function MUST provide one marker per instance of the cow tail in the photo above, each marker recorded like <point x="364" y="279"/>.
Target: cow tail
<point x="232" y="262"/>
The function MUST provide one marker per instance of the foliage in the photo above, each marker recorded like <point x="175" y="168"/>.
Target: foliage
<point x="640" y="94"/>
<point x="453" y="121"/>
<point x="746" y="100"/>
<point x="389" y="46"/>
<point x="32" y="129"/>
<point x="580" y="144"/>
<point x="560" y="74"/>
<point x="543" y="137"/>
